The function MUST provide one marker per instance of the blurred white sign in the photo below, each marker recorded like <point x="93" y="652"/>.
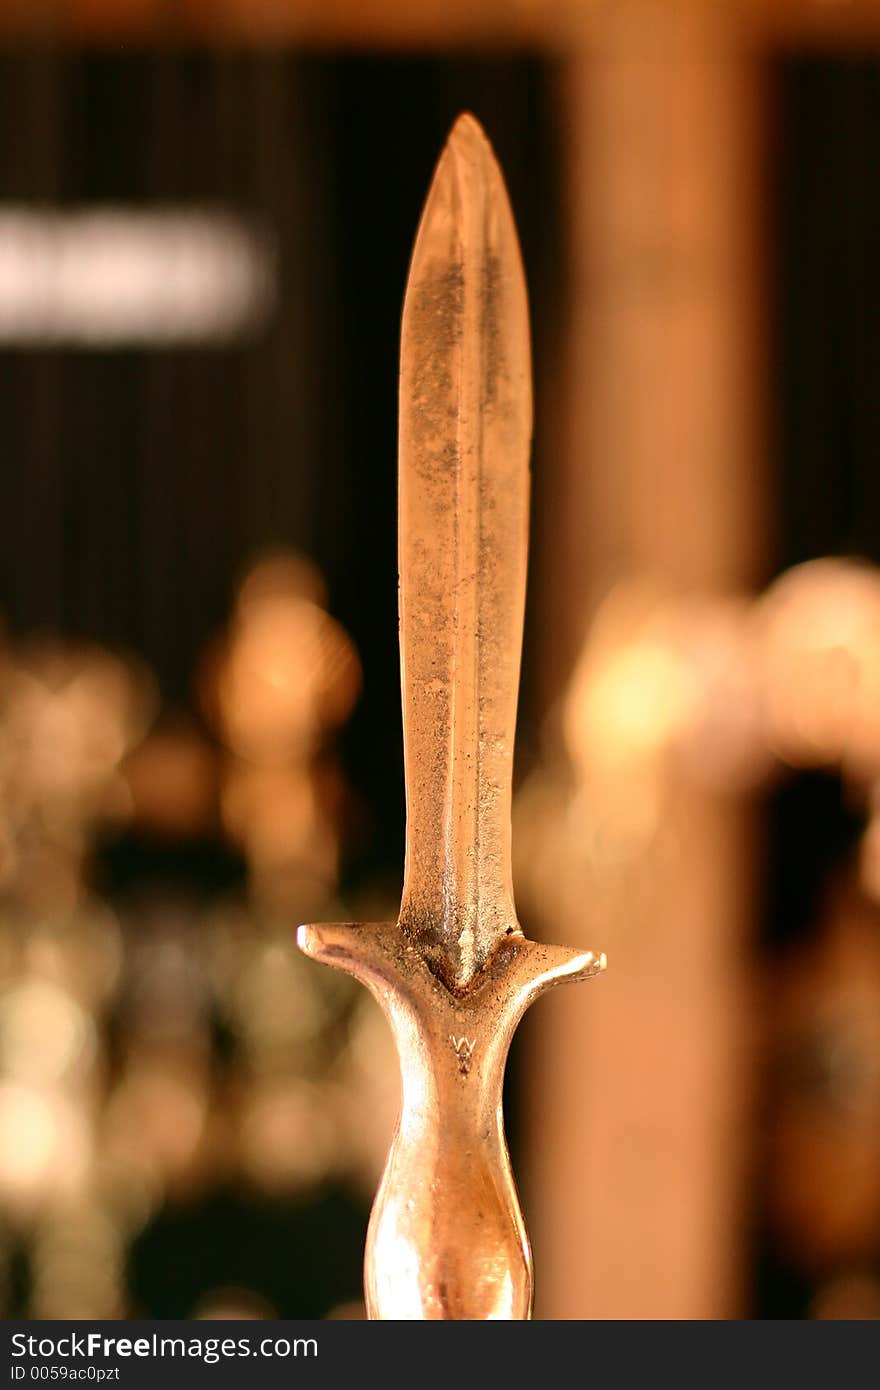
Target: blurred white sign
<point x="112" y="276"/>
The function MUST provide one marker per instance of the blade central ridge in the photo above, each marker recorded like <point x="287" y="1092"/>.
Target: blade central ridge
<point x="465" y="429"/>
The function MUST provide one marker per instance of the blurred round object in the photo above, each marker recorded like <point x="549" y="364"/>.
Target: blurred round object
<point x="278" y="1004"/>
<point x="287" y="1134"/>
<point x="45" y="1035"/>
<point x="667" y="673"/>
<point x="286" y="671"/>
<point x="282" y="573"/>
<point x="284" y="820"/>
<point x="69" y="715"/>
<point x="45" y="1144"/>
<point x="631" y="693"/>
<point x="156" y="1119"/>
<point x="173" y="780"/>
<point x="82" y="952"/>
<point x="818" y="630"/>
<point x="722" y="743"/>
<point x="853" y="1296"/>
<point x="233" y="1304"/>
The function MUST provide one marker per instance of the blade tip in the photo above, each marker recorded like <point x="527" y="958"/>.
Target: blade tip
<point x="467" y="137"/>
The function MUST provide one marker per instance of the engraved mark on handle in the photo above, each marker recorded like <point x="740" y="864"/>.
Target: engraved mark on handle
<point x="464" y="1050"/>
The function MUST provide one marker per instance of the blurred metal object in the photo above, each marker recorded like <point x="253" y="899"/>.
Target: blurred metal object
<point x="172" y="780"/>
<point x="286" y="671"/>
<point x="114" y="1100"/>
<point x="68" y="715"/>
<point x="275" y="686"/>
<point x="455" y="974"/>
<point x="700" y="692"/>
<point x="819" y="655"/>
<point x="718" y="691"/>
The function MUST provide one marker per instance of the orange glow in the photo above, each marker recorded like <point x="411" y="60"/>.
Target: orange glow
<point x="45" y="1144"/>
<point x="287" y="672"/>
<point x="819" y="634"/>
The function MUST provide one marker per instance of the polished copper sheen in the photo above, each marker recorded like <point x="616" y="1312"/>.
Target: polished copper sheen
<point x="455" y="973"/>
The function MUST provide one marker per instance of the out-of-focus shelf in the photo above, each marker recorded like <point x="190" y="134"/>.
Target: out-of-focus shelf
<point x="554" y="25"/>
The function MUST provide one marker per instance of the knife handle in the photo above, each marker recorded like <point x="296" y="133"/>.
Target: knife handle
<point x="446" y="1238"/>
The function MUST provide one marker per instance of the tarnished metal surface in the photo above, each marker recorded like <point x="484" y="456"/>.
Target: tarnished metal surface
<point x="455" y="973"/>
<point x="465" y="432"/>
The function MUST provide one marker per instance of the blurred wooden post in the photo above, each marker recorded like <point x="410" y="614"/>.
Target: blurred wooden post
<point x="636" y="1103"/>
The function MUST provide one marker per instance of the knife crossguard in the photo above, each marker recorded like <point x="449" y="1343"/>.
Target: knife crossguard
<point x="446" y="1236"/>
<point x="455" y="974"/>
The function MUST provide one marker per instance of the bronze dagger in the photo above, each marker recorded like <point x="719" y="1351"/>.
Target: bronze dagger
<point x="455" y="973"/>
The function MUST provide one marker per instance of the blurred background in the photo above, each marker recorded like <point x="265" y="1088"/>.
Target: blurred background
<point x="206" y="215"/>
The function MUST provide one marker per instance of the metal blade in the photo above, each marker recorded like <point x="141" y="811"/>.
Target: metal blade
<point x="465" y="433"/>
